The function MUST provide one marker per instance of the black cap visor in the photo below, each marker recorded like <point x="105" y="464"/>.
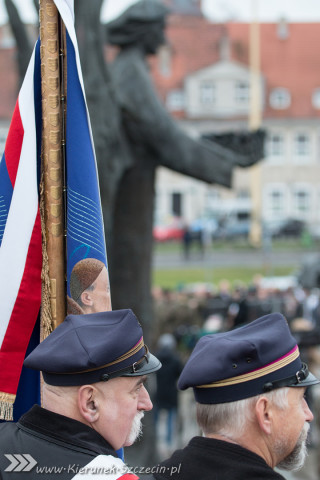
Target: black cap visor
<point x="303" y="378"/>
<point x="149" y="365"/>
<point x="310" y="380"/>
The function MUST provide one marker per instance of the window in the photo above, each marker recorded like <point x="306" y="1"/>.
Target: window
<point x="301" y="200"/>
<point x="212" y="200"/>
<point x="276" y="198"/>
<point x="301" y="145"/>
<point x="175" y="100"/>
<point x="242" y="93"/>
<point x="207" y="93"/>
<point x="283" y="29"/>
<point x="164" y="61"/>
<point x="212" y="195"/>
<point x="176" y="205"/>
<point x="280" y="98"/>
<point x="276" y="145"/>
<point x="243" y="194"/>
<point x="316" y="98"/>
<point x="275" y="201"/>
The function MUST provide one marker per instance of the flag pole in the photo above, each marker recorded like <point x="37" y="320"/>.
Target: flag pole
<point x="52" y="190"/>
<point x="255" y="235"/>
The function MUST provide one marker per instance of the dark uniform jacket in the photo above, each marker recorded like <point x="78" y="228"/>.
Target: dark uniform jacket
<point x="54" y="446"/>
<point x="210" y="459"/>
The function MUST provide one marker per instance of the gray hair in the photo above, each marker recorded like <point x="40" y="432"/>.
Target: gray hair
<point x="230" y="419"/>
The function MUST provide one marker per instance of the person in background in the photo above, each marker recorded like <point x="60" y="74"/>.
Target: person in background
<point x="249" y="386"/>
<point x="166" y="397"/>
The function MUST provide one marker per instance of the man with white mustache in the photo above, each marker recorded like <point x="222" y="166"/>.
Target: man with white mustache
<point x="249" y="386"/>
<point x="94" y="369"/>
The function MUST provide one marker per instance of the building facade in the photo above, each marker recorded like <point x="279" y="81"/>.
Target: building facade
<point x="203" y="76"/>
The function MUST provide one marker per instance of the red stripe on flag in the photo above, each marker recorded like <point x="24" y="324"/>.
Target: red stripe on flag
<point x="128" y="476"/>
<point x="14" y="144"/>
<point x="24" y="314"/>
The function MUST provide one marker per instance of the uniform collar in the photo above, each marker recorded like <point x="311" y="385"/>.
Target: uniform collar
<point x="64" y="429"/>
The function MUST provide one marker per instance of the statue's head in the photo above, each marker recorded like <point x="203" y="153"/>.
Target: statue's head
<point x="142" y="25"/>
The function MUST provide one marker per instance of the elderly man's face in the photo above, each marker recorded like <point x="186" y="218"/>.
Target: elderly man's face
<point x="292" y="429"/>
<point x="122" y="403"/>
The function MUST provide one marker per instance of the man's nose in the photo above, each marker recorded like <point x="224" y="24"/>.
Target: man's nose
<point x="308" y="413"/>
<point x="144" y="400"/>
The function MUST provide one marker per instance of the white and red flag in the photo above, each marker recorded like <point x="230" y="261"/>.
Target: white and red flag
<point x="20" y="224"/>
<point x="20" y="235"/>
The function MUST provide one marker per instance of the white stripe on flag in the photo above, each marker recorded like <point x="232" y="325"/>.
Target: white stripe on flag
<point x="101" y="468"/>
<point x="23" y="208"/>
<point x="66" y="10"/>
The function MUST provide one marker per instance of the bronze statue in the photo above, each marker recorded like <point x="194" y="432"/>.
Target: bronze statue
<point x="154" y="139"/>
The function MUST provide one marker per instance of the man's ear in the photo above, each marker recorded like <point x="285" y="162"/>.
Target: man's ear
<point x="88" y="403"/>
<point x="86" y="298"/>
<point x="264" y="414"/>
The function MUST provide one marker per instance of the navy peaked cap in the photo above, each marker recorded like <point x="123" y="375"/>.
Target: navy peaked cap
<point x="92" y="348"/>
<point x="248" y="361"/>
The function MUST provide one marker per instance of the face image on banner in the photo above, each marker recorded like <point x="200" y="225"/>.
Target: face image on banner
<point x="89" y="287"/>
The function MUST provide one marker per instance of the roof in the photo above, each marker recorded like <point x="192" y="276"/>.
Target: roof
<point x="194" y="43"/>
<point x="290" y="62"/>
<point x="188" y="55"/>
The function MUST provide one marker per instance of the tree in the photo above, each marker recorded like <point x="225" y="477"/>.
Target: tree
<point x="24" y="45"/>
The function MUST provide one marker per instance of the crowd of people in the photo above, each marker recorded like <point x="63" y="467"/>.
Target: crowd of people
<point x="245" y="362"/>
<point x="190" y="315"/>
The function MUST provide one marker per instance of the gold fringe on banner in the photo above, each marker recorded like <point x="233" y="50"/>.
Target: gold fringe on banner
<point x="6" y="406"/>
<point x="46" y="313"/>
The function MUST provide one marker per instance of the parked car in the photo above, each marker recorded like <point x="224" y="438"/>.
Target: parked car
<point x="233" y="230"/>
<point x="315" y="232"/>
<point x="171" y="231"/>
<point x="286" y="228"/>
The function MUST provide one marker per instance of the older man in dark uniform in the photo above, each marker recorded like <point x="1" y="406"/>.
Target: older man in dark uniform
<point x="94" y="367"/>
<point x="249" y="385"/>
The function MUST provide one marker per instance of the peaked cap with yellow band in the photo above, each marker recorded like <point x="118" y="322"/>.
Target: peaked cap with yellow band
<point x="93" y="348"/>
<point x="245" y="362"/>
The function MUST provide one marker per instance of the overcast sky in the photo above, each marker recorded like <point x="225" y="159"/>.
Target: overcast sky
<point x="218" y="10"/>
<point x="268" y="10"/>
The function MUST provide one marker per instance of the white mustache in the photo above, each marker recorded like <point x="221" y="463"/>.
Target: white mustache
<point x="136" y="428"/>
<point x="305" y="431"/>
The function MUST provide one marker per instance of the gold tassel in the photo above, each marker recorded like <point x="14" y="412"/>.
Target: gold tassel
<point x="6" y="406"/>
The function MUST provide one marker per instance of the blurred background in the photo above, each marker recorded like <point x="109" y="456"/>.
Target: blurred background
<point x="217" y="257"/>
